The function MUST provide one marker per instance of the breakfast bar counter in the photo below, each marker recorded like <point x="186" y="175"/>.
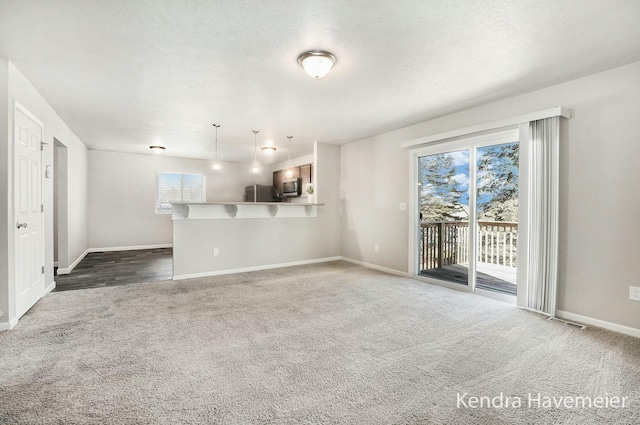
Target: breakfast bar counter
<point x="229" y="237"/>
<point x="235" y="210"/>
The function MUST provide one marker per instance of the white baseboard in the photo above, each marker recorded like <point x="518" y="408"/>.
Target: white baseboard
<point x="5" y="326"/>
<point x="130" y="248"/>
<point x="627" y="330"/>
<point x="376" y="267"/>
<point x="68" y="270"/>
<point x="255" y="268"/>
<point x="50" y="288"/>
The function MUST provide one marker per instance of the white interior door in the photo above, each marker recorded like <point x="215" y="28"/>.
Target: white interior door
<point x="29" y="241"/>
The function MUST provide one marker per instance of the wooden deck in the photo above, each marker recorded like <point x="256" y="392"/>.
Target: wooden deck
<point x="491" y="277"/>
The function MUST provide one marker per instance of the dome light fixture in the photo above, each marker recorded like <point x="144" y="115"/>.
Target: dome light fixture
<point x="157" y="149"/>
<point x="216" y="164"/>
<point x="268" y="149"/>
<point x="317" y="63"/>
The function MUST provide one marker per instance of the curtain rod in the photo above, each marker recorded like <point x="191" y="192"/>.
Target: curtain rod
<point x="557" y="111"/>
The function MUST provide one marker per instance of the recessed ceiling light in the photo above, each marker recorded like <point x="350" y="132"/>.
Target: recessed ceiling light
<point x="316" y="63"/>
<point x="157" y="149"/>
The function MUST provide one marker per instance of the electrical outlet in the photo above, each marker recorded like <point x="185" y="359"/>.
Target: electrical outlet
<point x="376" y="248"/>
<point x="216" y="251"/>
<point x="634" y="293"/>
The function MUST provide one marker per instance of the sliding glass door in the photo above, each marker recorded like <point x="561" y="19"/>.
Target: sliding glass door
<point x="468" y="206"/>
<point x="497" y="217"/>
<point x="444" y="216"/>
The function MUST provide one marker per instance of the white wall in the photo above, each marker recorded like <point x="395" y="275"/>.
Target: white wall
<point x="122" y="191"/>
<point x="20" y="90"/>
<point x="326" y="175"/>
<point x="599" y="187"/>
<point x="375" y="180"/>
<point x="245" y="243"/>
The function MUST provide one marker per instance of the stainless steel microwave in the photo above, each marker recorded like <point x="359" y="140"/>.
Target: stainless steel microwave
<point x="292" y="188"/>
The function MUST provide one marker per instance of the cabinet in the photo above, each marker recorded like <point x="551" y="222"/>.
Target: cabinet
<point x="303" y="171"/>
<point x="305" y="174"/>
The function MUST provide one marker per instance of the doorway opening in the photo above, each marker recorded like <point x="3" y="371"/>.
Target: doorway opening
<point x="60" y="203"/>
<point x="467" y="202"/>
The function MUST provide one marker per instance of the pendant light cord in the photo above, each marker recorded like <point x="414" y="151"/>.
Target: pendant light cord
<point x="216" y="126"/>
<point x="255" y="146"/>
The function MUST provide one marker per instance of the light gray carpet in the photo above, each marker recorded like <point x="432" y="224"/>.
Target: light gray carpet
<point x="326" y="343"/>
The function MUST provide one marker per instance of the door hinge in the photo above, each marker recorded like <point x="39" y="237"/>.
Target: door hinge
<point x="42" y="269"/>
<point x="41" y="207"/>
<point x="42" y="145"/>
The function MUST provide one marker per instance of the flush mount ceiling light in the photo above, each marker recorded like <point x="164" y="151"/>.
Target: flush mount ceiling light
<point x="316" y="63"/>
<point x="255" y="168"/>
<point x="216" y="164"/>
<point x="268" y="149"/>
<point x="157" y="149"/>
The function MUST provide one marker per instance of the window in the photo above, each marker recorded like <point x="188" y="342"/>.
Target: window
<point x="177" y="187"/>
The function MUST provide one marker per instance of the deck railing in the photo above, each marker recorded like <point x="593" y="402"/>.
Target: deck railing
<point x="445" y="243"/>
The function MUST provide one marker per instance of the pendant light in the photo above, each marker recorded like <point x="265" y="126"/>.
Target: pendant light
<point x="216" y="164"/>
<point x="255" y="168"/>
<point x="289" y="172"/>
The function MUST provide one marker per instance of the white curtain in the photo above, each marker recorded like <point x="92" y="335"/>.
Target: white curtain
<point x="543" y="215"/>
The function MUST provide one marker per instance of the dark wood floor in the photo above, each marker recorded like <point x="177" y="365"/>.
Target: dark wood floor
<point x="100" y="269"/>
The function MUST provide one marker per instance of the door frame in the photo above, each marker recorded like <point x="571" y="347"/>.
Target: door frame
<point x="19" y="108"/>
<point x="471" y="142"/>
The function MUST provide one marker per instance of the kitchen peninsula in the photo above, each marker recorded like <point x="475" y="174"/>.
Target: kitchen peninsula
<point x="215" y="238"/>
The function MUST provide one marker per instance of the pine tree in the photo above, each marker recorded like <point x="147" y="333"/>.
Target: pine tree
<point x="498" y="182"/>
<point x="439" y="192"/>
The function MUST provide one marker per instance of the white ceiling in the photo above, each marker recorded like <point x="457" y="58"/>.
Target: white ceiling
<point x="125" y="74"/>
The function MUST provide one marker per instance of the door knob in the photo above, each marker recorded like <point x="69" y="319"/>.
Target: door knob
<point x="21" y="225"/>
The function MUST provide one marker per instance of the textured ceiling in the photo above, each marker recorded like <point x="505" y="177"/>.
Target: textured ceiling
<point x="127" y="74"/>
